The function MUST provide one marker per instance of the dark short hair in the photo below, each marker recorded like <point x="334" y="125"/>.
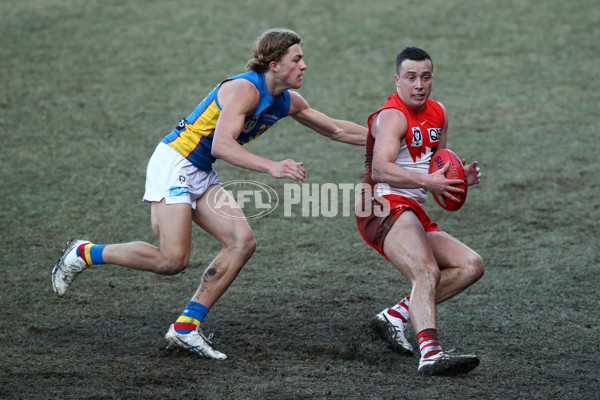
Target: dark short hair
<point x="412" y="53"/>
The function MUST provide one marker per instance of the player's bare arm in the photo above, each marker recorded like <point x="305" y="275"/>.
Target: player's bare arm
<point x="338" y="130"/>
<point x="238" y="99"/>
<point x="389" y="128"/>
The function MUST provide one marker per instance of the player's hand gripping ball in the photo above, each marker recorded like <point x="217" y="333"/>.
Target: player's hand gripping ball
<point x="456" y="171"/>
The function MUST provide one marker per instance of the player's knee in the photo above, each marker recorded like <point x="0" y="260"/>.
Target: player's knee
<point x="479" y="266"/>
<point x="243" y="243"/>
<point x="174" y="265"/>
<point x="475" y="269"/>
<point x="429" y="275"/>
<point x="248" y="246"/>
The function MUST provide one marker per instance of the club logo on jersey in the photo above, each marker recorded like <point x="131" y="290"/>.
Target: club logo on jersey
<point x="181" y="125"/>
<point x="417" y="137"/>
<point x="250" y="124"/>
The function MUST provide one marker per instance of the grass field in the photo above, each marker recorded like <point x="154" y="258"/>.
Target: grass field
<point x="90" y="87"/>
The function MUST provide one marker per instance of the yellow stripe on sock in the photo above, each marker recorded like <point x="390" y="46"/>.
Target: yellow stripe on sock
<point x="88" y="256"/>
<point x="183" y="318"/>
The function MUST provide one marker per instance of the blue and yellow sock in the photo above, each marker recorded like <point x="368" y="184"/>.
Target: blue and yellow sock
<point x="91" y="253"/>
<point x="191" y="318"/>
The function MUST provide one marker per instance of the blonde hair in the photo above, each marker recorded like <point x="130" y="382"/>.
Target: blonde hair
<point x="271" y="46"/>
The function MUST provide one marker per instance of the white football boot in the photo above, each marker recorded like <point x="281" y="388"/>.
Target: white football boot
<point x="68" y="267"/>
<point x="393" y="333"/>
<point x="194" y="341"/>
<point x="446" y="364"/>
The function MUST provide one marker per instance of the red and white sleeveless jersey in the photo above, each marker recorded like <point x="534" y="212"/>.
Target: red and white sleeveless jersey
<point x="421" y="141"/>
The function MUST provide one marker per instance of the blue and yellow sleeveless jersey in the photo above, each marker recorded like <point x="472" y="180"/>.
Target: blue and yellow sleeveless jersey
<point x="193" y="136"/>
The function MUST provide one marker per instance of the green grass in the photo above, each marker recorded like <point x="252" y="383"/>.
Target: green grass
<point x="89" y="88"/>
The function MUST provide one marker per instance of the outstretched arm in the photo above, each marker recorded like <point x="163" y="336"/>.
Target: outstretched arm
<point x="238" y="99"/>
<point x="335" y="129"/>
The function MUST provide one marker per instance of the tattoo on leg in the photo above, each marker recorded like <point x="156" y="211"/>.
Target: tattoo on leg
<point x="209" y="273"/>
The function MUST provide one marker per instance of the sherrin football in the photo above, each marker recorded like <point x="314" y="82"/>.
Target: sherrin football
<point x="456" y="171"/>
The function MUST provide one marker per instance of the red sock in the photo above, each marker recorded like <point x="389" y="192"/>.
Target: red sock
<point x="429" y="342"/>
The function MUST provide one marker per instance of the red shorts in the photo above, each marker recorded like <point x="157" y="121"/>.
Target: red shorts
<point x="374" y="220"/>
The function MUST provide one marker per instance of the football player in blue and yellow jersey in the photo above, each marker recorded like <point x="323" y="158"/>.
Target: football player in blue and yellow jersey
<point x="183" y="187"/>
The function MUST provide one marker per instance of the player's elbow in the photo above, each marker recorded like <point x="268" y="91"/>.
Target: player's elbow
<point x="337" y="135"/>
<point x="378" y="175"/>
<point x="218" y="149"/>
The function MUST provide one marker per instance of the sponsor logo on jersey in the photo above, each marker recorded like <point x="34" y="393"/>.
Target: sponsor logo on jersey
<point x="434" y="134"/>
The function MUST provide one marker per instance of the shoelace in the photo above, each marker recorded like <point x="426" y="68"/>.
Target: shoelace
<point x="207" y="339"/>
<point x="393" y="328"/>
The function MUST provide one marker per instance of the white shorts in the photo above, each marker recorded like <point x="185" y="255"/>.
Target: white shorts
<point x="172" y="177"/>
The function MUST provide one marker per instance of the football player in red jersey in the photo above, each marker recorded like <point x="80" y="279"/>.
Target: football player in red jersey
<point x="403" y="135"/>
